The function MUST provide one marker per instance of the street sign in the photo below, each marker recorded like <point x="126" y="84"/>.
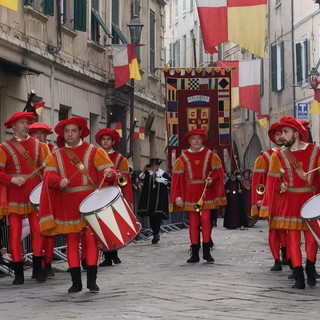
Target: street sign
<point x="303" y="111"/>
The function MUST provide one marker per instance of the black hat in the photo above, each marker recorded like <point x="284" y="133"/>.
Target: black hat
<point x="155" y="161"/>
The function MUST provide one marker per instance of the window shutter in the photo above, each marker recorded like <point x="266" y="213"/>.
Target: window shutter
<point x="299" y="63"/>
<point x="28" y="2"/>
<point x="49" y="7"/>
<point x="80" y="15"/>
<point x="274" y="68"/>
<point x="152" y="42"/>
<point x="282" y="64"/>
<point x="306" y="44"/>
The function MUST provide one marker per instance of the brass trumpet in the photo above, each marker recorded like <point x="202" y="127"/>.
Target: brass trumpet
<point x="260" y="189"/>
<point x="122" y="181"/>
<point x="198" y="205"/>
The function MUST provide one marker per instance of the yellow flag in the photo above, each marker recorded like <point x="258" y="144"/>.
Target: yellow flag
<point x="315" y="107"/>
<point x="263" y="122"/>
<point x="11" y="4"/>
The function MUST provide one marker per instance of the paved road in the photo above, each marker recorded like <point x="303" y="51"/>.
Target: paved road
<point x="155" y="282"/>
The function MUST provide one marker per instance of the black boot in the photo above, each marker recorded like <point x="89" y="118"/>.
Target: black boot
<point x="48" y="271"/>
<point x="206" y="252"/>
<point x="284" y="260"/>
<point x="299" y="277"/>
<point x="156" y="238"/>
<point x="84" y="264"/>
<point x="107" y="259"/>
<point x="276" y="266"/>
<point x="114" y="257"/>
<point x="194" y="254"/>
<point x="38" y="272"/>
<point x="76" y="280"/>
<point x="311" y="273"/>
<point x="18" y="273"/>
<point x="91" y="278"/>
<point x="290" y="264"/>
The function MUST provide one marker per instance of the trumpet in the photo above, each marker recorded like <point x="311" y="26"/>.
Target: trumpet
<point x="260" y="189"/>
<point x="122" y="181"/>
<point x="198" y="206"/>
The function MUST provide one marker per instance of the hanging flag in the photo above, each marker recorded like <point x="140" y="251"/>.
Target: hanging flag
<point x="315" y="104"/>
<point x="125" y="64"/>
<point x="38" y="107"/>
<point x="263" y="120"/>
<point x="10" y="4"/>
<point x="138" y="133"/>
<point x="240" y="21"/>
<point x="117" y="126"/>
<point x="245" y="83"/>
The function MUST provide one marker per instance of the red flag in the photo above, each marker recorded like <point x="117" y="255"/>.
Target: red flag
<point x="38" y="107"/>
<point x="138" y="133"/>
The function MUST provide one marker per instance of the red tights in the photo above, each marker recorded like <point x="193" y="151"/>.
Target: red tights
<point x="311" y="247"/>
<point x="196" y="220"/>
<point x="48" y="249"/>
<point x="15" y="229"/>
<point x="277" y="239"/>
<point x="91" y="244"/>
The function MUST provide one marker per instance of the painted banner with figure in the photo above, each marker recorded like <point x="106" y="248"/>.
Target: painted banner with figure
<point x="199" y="98"/>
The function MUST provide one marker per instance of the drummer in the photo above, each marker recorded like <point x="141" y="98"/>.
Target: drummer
<point x="287" y="178"/>
<point x="110" y="139"/>
<point x="20" y="157"/>
<point x="73" y="172"/>
<point x="40" y="131"/>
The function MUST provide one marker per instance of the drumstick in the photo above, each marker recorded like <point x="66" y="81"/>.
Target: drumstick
<point x="101" y="183"/>
<point x="33" y="172"/>
<point x="315" y="169"/>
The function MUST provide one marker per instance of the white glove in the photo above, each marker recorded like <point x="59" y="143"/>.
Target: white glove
<point x="162" y="180"/>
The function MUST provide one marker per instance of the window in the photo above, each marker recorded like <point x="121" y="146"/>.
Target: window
<point x="80" y="15"/>
<point x="46" y="6"/>
<point x="152" y="42"/>
<point x="170" y="62"/>
<point x="302" y="61"/>
<point x="184" y="4"/>
<point x="95" y="31"/>
<point x="170" y="14"/>
<point x="64" y="112"/>
<point x="277" y="67"/>
<point x="184" y="51"/>
<point x="176" y="11"/>
<point x="177" y="53"/>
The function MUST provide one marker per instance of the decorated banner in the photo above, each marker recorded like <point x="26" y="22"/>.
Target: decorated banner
<point x="199" y="98"/>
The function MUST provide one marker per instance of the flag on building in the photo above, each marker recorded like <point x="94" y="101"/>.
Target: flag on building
<point x="138" y="133"/>
<point x="125" y="64"/>
<point x="10" y="4"/>
<point x="240" y="21"/>
<point x="38" y="107"/>
<point x="263" y="120"/>
<point x="315" y="104"/>
<point x="245" y="83"/>
<point x="117" y="126"/>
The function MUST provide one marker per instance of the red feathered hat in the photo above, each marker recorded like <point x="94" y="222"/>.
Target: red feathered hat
<point x="40" y="126"/>
<point x="108" y="132"/>
<point x="296" y="125"/>
<point x="81" y="122"/>
<point x="193" y="132"/>
<point x="19" y="115"/>
<point x="272" y="131"/>
<point x="305" y="123"/>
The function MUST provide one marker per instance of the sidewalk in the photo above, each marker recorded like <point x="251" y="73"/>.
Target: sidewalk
<point x="155" y="282"/>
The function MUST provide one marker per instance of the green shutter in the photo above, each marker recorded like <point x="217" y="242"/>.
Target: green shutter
<point x="307" y="67"/>
<point x="118" y="32"/>
<point x="49" y="7"/>
<point x="80" y="15"/>
<point x="282" y="64"/>
<point x="299" y="63"/>
<point x="274" y="68"/>
<point x="28" y="2"/>
<point x="101" y="22"/>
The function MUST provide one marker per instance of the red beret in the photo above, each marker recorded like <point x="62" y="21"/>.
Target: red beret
<point x="296" y="125"/>
<point x="19" y="115"/>
<point x="108" y="132"/>
<point x="305" y="123"/>
<point x="192" y="132"/>
<point x="272" y="131"/>
<point x="81" y="122"/>
<point x="40" y="126"/>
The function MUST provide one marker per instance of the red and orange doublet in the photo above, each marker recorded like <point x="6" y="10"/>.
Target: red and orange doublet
<point x="287" y="214"/>
<point x="188" y="180"/>
<point x="121" y="163"/>
<point x="59" y="208"/>
<point x="13" y="164"/>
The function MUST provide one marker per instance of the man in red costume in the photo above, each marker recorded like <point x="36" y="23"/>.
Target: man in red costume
<point x="289" y="183"/>
<point x="20" y="160"/>
<point x="109" y="139"/>
<point x="40" y="131"/>
<point x="277" y="237"/>
<point x="72" y="173"/>
<point x="196" y="167"/>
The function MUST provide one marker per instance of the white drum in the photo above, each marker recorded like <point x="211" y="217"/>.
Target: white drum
<point x="310" y="213"/>
<point x="34" y="196"/>
<point x="110" y="217"/>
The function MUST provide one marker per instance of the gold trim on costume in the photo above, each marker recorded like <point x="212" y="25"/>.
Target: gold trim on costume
<point x="77" y="189"/>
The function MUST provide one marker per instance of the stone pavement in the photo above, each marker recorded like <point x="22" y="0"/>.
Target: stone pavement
<point x="155" y="282"/>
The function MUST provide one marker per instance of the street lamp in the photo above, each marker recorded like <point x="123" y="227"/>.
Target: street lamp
<point x="314" y="78"/>
<point x="135" y="27"/>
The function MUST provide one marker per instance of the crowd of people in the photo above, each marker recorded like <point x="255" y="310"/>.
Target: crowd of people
<point x="74" y="170"/>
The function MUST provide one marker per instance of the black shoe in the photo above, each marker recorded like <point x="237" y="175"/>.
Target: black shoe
<point x="91" y="279"/>
<point x="115" y="258"/>
<point x="206" y="252"/>
<point x="284" y="260"/>
<point x="84" y="264"/>
<point x="299" y="277"/>
<point x="107" y="259"/>
<point x="276" y="266"/>
<point x="76" y="287"/>
<point x="37" y="271"/>
<point x="311" y="273"/>
<point x="76" y="280"/>
<point x="156" y="239"/>
<point x="18" y="273"/>
<point x="48" y="271"/>
<point x="194" y="254"/>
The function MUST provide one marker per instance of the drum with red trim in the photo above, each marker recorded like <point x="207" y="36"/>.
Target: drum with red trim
<point x="110" y="217"/>
<point x="310" y="213"/>
<point x="34" y="196"/>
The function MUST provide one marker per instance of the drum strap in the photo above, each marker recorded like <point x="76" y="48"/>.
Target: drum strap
<point x="295" y="164"/>
<point x="78" y="164"/>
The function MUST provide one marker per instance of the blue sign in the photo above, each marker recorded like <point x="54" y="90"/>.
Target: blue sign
<point x="303" y="111"/>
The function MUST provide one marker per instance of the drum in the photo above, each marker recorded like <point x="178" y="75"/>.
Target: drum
<point x="110" y="217"/>
<point x="310" y="213"/>
<point x="34" y="196"/>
